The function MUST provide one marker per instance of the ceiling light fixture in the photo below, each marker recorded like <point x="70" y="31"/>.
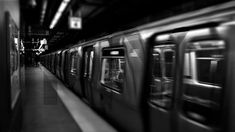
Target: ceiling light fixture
<point x="44" y="7"/>
<point x="59" y="12"/>
<point x="32" y="3"/>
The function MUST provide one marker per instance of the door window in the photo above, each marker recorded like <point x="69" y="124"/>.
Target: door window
<point x="74" y="62"/>
<point x="161" y="85"/>
<point x="86" y="64"/>
<point x="113" y="69"/>
<point x="89" y="56"/>
<point x="204" y="73"/>
<point x="91" y="63"/>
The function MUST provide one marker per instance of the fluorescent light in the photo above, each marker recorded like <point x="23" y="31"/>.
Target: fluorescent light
<point x="52" y="24"/>
<point x="59" y="12"/>
<point x="57" y="16"/>
<point x="163" y="37"/>
<point x="16" y="40"/>
<point x="43" y="12"/>
<point x="114" y="52"/>
<point x="44" y="7"/>
<point x="62" y="6"/>
<point x="55" y="20"/>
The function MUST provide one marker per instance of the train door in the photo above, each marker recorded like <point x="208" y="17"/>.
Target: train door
<point x="112" y="76"/>
<point x="96" y="86"/>
<point x="73" y="71"/>
<point x="203" y="81"/>
<point x="161" y="85"/>
<point x="87" y="75"/>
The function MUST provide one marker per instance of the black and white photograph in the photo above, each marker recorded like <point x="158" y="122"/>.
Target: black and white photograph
<point x="117" y="65"/>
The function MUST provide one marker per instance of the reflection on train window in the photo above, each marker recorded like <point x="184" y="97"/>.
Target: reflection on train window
<point x="157" y="64"/>
<point x="202" y="92"/>
<point x="210" y="62"/>
<point x="86" y="64"/>
<point x="91" y="63"/>
<point x="74" y="62"/>
<point x="88" y="67"/>
<point x="59" y="57"/>
<point x="13" y="61"/>
<point x="113" y="72"/>
<point x="161" y="85"/>
<point x="187" y="69"/>
<point x="169" y="59"/>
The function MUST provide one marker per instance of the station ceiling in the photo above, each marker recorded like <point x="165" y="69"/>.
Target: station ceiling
<point x="99" y="17"/>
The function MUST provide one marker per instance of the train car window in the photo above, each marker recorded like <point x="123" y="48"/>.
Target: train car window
<point x="91" y="63"/>
<point x="113" y="69"/>
<point x="86" y="64"/>
<point x="161" y="85"/>
<point x="169" y="62"/>
<point x="74" y="62"/>
<point x="202" y="92"/>
<point x="187" y="70"/>
<point x="210" y="62"/>
<point x="157" y="64"/>
<point x="60" y="56"/>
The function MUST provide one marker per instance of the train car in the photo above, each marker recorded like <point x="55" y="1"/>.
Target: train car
<point x="171" y="75"/>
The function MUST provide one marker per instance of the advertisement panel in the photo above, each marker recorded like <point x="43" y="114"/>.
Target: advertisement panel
<point x="14" y="58"/>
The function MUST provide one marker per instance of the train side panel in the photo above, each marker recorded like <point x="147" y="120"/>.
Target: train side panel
<point x="96" y="91"/>
<point x="122" y="81"/>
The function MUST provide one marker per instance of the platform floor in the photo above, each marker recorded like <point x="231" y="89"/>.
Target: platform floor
<point x="48" y="106"/>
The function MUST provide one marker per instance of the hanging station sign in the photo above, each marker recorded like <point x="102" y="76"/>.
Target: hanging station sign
<point x="75" y="23"/>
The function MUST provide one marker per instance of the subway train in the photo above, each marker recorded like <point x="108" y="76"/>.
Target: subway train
<point x="172" y="75"/>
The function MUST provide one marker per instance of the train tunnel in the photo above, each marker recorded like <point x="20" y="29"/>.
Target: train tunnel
<point x="117" y="66"/>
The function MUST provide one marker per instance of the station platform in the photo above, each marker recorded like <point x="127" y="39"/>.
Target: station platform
<point x="48" y="106"/>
